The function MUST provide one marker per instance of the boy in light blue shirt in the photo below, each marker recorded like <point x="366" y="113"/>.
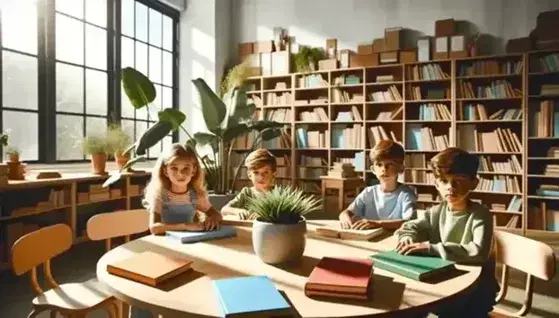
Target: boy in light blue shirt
<point x="387" y="204"/>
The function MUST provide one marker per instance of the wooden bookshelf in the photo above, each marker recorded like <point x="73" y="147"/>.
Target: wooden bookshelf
<point x="450" y="99"/>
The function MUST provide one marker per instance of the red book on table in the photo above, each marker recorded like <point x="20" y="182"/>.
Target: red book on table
<point x="341" y="277"/>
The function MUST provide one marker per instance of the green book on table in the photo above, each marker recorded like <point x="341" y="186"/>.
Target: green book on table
<point x="420" y="268"/>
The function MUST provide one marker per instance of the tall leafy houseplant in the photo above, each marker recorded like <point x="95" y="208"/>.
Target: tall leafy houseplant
<point x="225" y="119"/>
<point x="307" y="58"/>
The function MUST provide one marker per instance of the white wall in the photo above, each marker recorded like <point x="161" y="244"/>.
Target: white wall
<point x="360" y="21"/>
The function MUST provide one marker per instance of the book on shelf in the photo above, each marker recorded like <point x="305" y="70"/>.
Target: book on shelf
<point x="490" y="67"/>
<point x="478" y="112"/>
<point x="422" y="138"/>
<point x="199" y="236"/>
<point x="497" y="89"/>
<point x="282" y="141"/>
<point x="340" y="96"/>
<point x="279" y="115"/>
<point x="499" y="140"/>
<point x="347" y="137"/>
<point x="336" y="231"/>
<point x="347" y="80"/>
<point x="551" y="170"/>
<point x="544" y="122"/>
<point x="390" y="95"/>
<point x="358" y="161"/>
<point x="499" y="184"/>
<point x="317" y="114"/>
<point x="278" y="99"/>
<point x="313" y="161"/>
<point x="548" y="190"/>
<point x="549" y="89"/>
<point x="312" y="139"/>
<point x="421" y="268"/>
<point x="252" y="296"/>
<point x="512" y="165"/>
<point x="384" y="78"/>
<point x="434" y="112"/>
<point x="150" y="268"/>
<point x="377" y="133"/>
<point x="341" y="277"/>
<point x="550" y="63"/>
<point x="426" y="72"/>
<point x="311" y="81"/>
<point x="515" y="204"/>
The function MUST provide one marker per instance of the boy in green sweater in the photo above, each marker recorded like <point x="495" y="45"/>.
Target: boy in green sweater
<point x="261" y="170"/>
<point x="458" y="229"/>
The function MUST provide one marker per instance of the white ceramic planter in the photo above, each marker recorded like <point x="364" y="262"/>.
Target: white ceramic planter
<point x="279" y="243"/>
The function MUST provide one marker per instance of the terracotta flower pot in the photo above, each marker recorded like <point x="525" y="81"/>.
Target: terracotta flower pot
<point x="121" y="160"/>
<point x="13" y="157"/>
<point x="98" y="162"/>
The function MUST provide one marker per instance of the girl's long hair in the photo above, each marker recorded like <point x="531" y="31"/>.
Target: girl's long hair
<point x="160" y="182"/>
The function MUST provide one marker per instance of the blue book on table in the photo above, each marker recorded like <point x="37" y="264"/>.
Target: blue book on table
<point x="197" y="236"/>
<point x="250" y="296"/>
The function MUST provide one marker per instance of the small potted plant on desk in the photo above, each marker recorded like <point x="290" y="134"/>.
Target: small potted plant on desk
<point x="96" y="148"/>
<point x="278" y="232"/>
<point x="13" y="154"/>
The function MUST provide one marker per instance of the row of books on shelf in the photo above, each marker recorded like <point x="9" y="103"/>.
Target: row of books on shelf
<point x="312" y="81"/>
<point x="542" y="217"/>
<point x="390" y="95"/>
<point x="348" y="137"/>
<point x="426" y="72"/>
<point x="347" y="80"/>
<point x="279" y="115"/>
<point x="490" y="67"/>
<point x="550" y="63"/>
<point x="321" y="100"/>
<point x="478" y="112"/>
<point x="312" y="139"/>
<point x="514" y="205"/>
<point x="497" y="89"/>
<point x="549" y="89"/>
<point x="434" y="112"/>
<point x="317" y="114"/>
<point x="311" y="173"/>
<point x="377" y="133"/>
<point x="545" y="120"/>
<point x="488" y="164"/>
<point x="422" y="138"/>
<point x="273" y="99"/>
<point x="499" y="184"/>
<point x="416" y="93"/>
<point x="340" y="96"/>
<point x="390" y="115"/>
<point x="548" y="190"/>
<point x="551" y="170"/>
<point x="500" y="140"/>
<point x="281" y="142"/>
<point x="353" y="115"/>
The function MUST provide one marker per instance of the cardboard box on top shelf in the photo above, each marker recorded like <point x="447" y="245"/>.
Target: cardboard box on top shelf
<point x="424" y="49"/>
<point x="408" y="56"/>
<point x="458" y="47"/>
<point x="365" y="48"/>
<point x="379" y="45"/>
<point x="389" y="57"/>
<point x="519" y="45"/>
<point x="446" y="27"/>
<point x="264" y="46"/>
<point x="363" y="60"/>
<point x="329" y="64"/>
<point x="393" y="38"/>
<point x="441" y="47"/>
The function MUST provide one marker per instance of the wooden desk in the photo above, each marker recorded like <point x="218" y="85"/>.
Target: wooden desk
<point x="193" y="294"/>
<point x="342" y="185"/>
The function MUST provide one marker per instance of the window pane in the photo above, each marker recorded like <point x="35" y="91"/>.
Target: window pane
<point x="69" y="39"/>
<point x="24" y="137"/>
<point x="155" y="64"/>
<point x="141" y="22"/>
<point x="142" y="58"/>
<point x="167" y="69"/>
<point x="96" y="12"/>
<point x="95" y="126"/>
<point x="96" y="92"/>
<point x="155" y="27"/>
<point x="69" y="88"/>
<point x="69" y="135"/>
<point x="127" y="52"/>
<point x="167" y="33"/>
<point x="154" y="151"/>
<point x="167" y="142"/>
<point x="19" y="79"/>
<point x="128" y="127"/>
<point x="157" y="102"/>
<point x="95" y="47"/>
<point x="127" y="16"/>
<point x="142" y="113"/>
<point x="71" y="7"/>
<point x="19" y="26"/>
<point x="126" y="108"/>
<point x="167" y="97"/>
<point x="141" y="127"/>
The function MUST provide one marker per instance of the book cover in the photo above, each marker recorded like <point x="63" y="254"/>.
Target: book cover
<point x="250" y="296"/>
<point x="149" y="267"/>
<point x="348" y="234"/>
<point x="341" y="275"/>
<point x="224" y="231"/>
<point x="420" y="268"/>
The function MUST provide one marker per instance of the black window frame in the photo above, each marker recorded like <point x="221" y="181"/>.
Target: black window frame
<point x="46" y="81"/>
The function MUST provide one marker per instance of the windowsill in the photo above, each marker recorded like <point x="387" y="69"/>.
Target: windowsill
<point x="82" y="167"/>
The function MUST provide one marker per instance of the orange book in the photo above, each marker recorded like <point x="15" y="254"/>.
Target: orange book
<point x="340" y="277"/>
<point x="150" y="268"/>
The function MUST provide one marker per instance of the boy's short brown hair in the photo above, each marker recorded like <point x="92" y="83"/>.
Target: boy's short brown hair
<point x="455" y="161"/>
<point x="259" y="159"/>
<point x="387" y="150"/>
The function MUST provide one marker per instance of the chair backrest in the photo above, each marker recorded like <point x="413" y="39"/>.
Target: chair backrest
<point x="40" y="246"/>
<point x="525" y="254"/>
<point x="116" y="224"/>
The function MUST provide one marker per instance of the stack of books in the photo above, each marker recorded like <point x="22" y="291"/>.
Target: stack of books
<point x="341" y="278"/>
<point x="420" y="268"/>
<point x="552" y="170"/>
<point x="342" y="170"/>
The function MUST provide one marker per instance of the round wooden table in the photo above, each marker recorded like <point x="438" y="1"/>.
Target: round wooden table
<point x="192" y="293"/>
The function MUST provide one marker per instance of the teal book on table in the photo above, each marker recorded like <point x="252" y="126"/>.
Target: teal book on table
<point x="253" y="296"/>
<point x="416" y="267"/>
<point x="198" y="236"/>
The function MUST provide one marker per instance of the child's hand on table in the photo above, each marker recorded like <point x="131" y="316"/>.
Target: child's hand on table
<point x="212" y="221"/>
<point x="365" y="224"/>
<point x="347" y="219"/>
<point x="406" y="246"/>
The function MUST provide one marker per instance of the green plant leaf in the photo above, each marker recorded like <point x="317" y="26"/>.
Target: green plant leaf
<point x="205" y="138"/>
<point x="270" y="133"/>
<point x="260" y="125"/>
<point x="152" y="136"/>
<point x="234" y="132"/>
<point x="173" y="116"/>
<point x="213" y="108"/>
<point x="191" y="143"/>
<point x="112" y="179"/>
<point x="133" y="161"/>
<point x="139" y="89"/>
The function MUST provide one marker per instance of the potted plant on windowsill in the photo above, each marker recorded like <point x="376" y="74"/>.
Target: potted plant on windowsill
<point x="117" y="142"/>
<point x="13" y="154"/>
<point x="96" y="148"/>
<point x="278" y="232"/>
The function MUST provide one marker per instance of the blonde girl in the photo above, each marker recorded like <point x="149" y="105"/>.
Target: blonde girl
<point x="176" y="191"/>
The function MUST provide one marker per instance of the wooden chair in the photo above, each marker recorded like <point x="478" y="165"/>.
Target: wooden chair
<point x="71" y="300"/>
<point x="534" y="258"/>
<point x="106" y="226"/>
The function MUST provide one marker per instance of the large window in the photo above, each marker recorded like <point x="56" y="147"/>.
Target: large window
<point x="60" y="64"/>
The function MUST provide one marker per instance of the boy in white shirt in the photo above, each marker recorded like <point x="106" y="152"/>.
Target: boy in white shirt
<point x="387" y="204"/>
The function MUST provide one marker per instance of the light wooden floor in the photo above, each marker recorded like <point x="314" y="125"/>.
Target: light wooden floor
<point x="79" y="265"/>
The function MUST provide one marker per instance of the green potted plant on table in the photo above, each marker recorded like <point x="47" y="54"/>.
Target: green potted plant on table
<point x="117" y="142"/>
<point x="278" y="232"/>
<point x="13" y="154"/>
<point x="96" y="148"/>
<point x="226" y="119"/>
